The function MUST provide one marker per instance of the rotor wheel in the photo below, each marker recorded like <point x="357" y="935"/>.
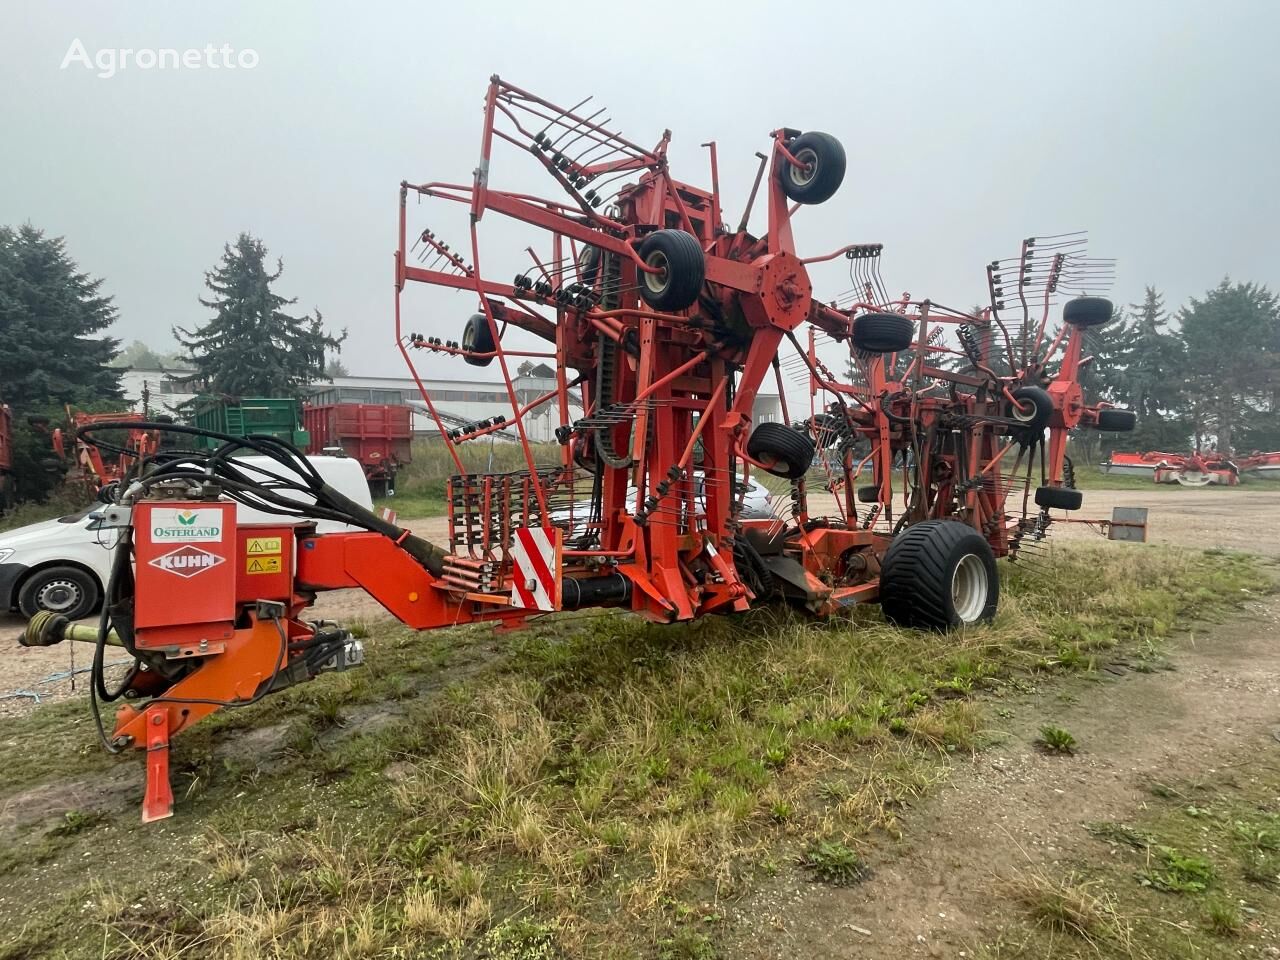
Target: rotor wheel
<point x="588" y="265"/>
<point x="681" y="270"/>
<point x="1035" y="419"/>
<point x="882" y="333"/>
<point x="478" y="338"/>
<point x="820" y="171"/>
<point x="1087" y="311"/>
<point x="1059" y="498"/>
<point x="782" y="451"/>
<point x="1117" y="421"/>
<point x="938" y="575"/>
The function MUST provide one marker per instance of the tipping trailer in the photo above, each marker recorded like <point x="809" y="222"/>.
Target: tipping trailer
<point x="378" y="435"/>
<point x="279" y="417"/>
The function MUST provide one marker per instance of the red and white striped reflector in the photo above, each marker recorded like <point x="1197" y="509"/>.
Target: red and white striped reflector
<point x="535" y="569"/>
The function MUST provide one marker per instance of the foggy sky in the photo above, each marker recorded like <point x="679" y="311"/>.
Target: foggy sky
<point x="968" y="126"/>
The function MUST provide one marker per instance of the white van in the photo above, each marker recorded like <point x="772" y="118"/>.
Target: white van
<point x="61" y="565"/>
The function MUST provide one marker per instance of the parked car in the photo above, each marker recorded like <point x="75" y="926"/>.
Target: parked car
<point x="757" y="504"/>
<point x="62" y="565"/>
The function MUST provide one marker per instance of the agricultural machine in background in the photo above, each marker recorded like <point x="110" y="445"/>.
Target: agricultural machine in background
<point x="99" y="465"/>
<point x="663" y="322"/>
<point x="1194" y="469"/>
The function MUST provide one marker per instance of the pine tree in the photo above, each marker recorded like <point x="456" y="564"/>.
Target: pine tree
<point x="50" y="312"/>
<point x="1233" y="353"/>
<point x="252" y="347"/>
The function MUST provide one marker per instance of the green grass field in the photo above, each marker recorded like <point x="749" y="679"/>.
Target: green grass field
<point x="568" y="790"/>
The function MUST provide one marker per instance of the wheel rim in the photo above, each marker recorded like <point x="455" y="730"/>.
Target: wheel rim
<point x="656" y="283"/>
<point x="1194" y="478"/>
<point x="969" y="588"/>
<point x="802" y="174"/>
<point x="58" y="596"/>
<point x="1029" y="415"/>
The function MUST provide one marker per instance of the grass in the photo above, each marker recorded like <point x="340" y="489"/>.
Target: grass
<point x="1196" y="875"/>
<point x="420" y="486"/>
<point x="1054" y="739"/>
<point x="595" y="779"/>
<point x="830" y="861"/>
<point x="1071" y="905"/>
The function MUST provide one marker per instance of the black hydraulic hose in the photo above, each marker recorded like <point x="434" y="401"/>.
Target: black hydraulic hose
<point x="330" y="503"/>
<point x="425" y="552"/>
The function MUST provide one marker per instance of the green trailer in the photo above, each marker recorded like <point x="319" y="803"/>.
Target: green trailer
<point x="275" y="416"/>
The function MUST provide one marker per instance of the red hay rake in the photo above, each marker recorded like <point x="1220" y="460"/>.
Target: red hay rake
<point x="663" y="324"/>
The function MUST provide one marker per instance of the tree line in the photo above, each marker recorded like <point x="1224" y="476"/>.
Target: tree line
<point x="55" y="349"/>
<point x="1205" y="377"/>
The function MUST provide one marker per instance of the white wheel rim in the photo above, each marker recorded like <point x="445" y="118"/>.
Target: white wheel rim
<point x="1194" y="478"/>
<point x="969" y="588"/>
<point x="58" y="596"/>
<point x="1029" y="415"/>
<point x="657" y="282"/>
<point x="801" y="174"/>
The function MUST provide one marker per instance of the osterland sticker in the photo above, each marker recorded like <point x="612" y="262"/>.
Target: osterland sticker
<point x="186" y="526"/>
<point x="186" y="561"/>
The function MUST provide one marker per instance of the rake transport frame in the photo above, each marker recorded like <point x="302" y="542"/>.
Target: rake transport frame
<point x="664" y="324"/>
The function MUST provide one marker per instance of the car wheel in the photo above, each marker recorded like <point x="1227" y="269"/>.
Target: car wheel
<point x="68" y="591"/>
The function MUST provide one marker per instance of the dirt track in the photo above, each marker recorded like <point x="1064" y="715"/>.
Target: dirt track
<point x="1243" y="518"/>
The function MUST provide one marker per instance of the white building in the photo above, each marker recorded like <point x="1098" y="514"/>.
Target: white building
<point x="458" y="402"/>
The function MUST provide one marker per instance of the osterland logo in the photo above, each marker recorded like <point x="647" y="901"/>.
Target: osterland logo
<point x="186" y="525"/>
<point x="186" y="561"/>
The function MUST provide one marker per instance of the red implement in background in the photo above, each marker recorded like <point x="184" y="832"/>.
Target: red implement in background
<point x="377" y="435"/>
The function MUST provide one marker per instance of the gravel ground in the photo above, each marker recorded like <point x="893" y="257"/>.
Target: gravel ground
<point x="1240" y="518"/>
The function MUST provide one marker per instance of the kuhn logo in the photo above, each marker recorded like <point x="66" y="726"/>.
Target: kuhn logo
<point x="189" y="526"/>
<point x="186" y="561"/>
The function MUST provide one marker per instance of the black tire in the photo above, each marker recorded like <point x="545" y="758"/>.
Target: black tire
<point x="869" y="494"/>
<point x="918" y="578"/>
<point x="70" y="591"/>
<point x="823" y="429"/>
<point x="820" y="178"/>
<point x="478" y="338"/>
<point x="882" y="333"/>
<point x="1087" y="311"/>
<point x="588" y="265"/>
<point x="684" y="269"/>
<point x="1117" y="421"/>
<point x="107" y="492"/>
<point x="789" y="451"/>
<point x="1059" y="498"/>
<point x="1038" y="418"/>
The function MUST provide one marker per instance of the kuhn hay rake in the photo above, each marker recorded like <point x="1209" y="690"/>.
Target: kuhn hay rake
<point x="663" y="323"/>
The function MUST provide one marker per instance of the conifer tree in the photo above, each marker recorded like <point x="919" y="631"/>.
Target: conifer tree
<point x="252" y="347"/>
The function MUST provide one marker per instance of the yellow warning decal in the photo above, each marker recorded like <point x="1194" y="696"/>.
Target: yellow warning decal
<point x="261" y="564"/>
<point x="263" y="545"/>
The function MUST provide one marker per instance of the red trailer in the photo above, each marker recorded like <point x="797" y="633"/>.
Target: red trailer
<point x="6" y="457"/>
<point x="376" y="434"/>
